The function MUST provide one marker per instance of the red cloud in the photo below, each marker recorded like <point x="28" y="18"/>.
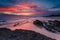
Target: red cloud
<point x="24" y="9"/>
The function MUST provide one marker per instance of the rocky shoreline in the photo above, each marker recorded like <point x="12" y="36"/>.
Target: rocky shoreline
<point x="7" y="34"/>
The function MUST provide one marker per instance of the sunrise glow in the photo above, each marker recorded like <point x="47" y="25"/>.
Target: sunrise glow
<point x="20" y="9"/>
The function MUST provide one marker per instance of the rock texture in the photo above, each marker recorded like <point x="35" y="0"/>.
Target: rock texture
<point x="38" y="23"/>
<point x="6" y="34"/>
<point x="51" y="26"/>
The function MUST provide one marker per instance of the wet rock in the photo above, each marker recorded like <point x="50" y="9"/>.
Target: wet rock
<point x="21" y="35"/>
<point x="38" y="23"/>
<point x="52" y="26"/>
<point x="16" y="24"/>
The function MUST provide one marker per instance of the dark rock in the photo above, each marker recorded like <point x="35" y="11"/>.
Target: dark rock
<point x="7" y="34"/>
<point x="57" y="23"/>
<point x="4" y="29"/>
<point x="38" y="23"/>
<point x="52" y="26"/>
<point x="54" y="23"/>
<point x="16" y="24"/>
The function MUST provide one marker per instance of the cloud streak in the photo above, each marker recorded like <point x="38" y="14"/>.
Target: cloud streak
<point x="29" y="6"/>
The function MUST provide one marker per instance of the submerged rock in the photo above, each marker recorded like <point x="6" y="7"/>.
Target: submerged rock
<point x="6" y="34"/>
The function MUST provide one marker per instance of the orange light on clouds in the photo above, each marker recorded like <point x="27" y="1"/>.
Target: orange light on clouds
<point x="24" y="9"/>
<point x="27" y="13"/>
<point x="20" y="9"/>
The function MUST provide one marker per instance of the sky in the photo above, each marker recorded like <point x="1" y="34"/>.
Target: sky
<point x="29" y="7"/>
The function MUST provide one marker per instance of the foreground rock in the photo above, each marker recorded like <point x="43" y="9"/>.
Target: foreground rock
<point x="6" y="34"/>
